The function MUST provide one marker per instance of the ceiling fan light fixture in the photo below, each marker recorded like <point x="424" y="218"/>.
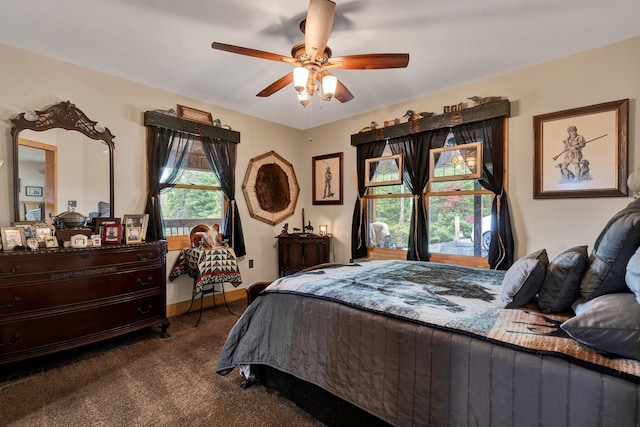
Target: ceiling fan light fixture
<point x="329" y="85"/>
<point x="303" y="98"/>
<point x="300" y="78"/>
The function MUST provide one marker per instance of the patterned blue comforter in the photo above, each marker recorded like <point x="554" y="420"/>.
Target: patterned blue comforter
<point x="457" y="297"/>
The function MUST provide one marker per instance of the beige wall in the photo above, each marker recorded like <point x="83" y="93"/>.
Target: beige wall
<point x="601" y="75"/>
<point x="29" y="82"/>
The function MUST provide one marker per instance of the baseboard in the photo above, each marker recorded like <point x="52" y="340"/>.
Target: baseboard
<point x="182" y="307"/>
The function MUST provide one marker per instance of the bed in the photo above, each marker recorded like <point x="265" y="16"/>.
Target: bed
<point x="410" y="343"/>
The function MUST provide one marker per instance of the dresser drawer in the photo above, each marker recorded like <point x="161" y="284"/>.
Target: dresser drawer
<point x="77" y="287"/>
<point x="48" y="333"/>
<point x="44" y="265"/>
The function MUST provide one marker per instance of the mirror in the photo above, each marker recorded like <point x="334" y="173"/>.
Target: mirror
<point x="55" y="168"/>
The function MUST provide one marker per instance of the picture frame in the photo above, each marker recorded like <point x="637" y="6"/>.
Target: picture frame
<point x="194" y="115"/>
<point x="137" y="220"/>
<point x="50" y="242"/>
<point x="96" y="240"/>
<point x="111" y="234"/>
<point x="41" y="232"/>
<point x="456" y="162"/>
<point x="28" y="227"/>
<point x="133" y="235"/>
<point x="327" y="184"/>
<point x="101" y="220"/>
<point x="374" y="167"/>
<point x="582" y="152"/>
<point x="79" y="241"/>
<point x="32" y="243"/>
<point x="12" y="238"/>
<point x="33" y="191"/>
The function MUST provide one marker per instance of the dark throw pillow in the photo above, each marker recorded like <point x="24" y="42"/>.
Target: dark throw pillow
<point x="633" y="274"/>
<point x="611" y="253"/>
<point x="561" y="286"/>
<point x="522" y="281"/>
<point x="608" y="323"/>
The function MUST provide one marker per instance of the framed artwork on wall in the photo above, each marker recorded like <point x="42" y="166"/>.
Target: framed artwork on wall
<point x="327" y="179"/>
<point x="194" y="115"/>
<point x="582" y="152"/>
<point x="33" y="191"/>
<point x="270" y="188"/>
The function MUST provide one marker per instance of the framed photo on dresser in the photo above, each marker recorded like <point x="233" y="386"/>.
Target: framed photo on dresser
<point x="111" y="234"/>
<point x="12" y="237"/>
<point x="137" y="220"/>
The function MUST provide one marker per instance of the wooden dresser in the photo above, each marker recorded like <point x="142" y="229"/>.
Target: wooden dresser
<point x="52" y="300"/>
<point x="299" y="251"/>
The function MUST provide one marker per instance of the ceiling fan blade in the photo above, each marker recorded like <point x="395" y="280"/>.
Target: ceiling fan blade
<point x="277" y="85"/>
<point x="342" y="94"/>
<point x="252" y="52"/>
<point x="371" y="61"/>
<point x="318" y="26"/>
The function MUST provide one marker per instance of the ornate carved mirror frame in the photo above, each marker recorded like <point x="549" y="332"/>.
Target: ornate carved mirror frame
<point x="63" y="115"/>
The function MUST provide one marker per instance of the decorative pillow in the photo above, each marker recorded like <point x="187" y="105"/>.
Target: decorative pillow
<point x="608" y="323"/>
<point x="561" y="286"/>
<point x="612" y="251"/>
<point x="522" y="281"/>
<point x="633" y="274"/>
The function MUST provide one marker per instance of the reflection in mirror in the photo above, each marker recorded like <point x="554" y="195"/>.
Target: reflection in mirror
<point x="37" y="170"/>
<point x="60" y="168"/>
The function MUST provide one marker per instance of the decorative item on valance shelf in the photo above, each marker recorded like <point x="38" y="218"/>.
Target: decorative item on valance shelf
<point x="500" y="108"/>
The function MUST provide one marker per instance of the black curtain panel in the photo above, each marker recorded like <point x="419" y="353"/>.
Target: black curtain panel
<point x="491" y="133"/>
<point x="415" y="153"/>
<point x="222" y="156"/>
<point x="167" y="151"/>
<point x="358" y="225"/>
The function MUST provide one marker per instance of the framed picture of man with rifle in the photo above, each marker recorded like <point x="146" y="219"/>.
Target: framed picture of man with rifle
<point x="582" y="152"/>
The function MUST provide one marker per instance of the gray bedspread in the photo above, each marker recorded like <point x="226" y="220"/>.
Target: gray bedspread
<point x="414" y="343"/>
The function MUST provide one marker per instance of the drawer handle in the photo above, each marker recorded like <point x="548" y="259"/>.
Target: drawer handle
<point x="145" y="259"/>
<point x="15" y="301"/>
<point x="141" y="283"/>
<point x="12" y="272"/>
<point x="16" y="337"/>
<point x="147" y="311"/>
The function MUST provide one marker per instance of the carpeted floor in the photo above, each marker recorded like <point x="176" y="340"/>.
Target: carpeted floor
<point x="143" y="380"/>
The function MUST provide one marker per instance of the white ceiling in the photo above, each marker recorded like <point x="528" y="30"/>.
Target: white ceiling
<point x="167" y="44"/>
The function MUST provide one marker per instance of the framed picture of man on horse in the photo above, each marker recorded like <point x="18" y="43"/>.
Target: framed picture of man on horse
<point x="582" y="152"/>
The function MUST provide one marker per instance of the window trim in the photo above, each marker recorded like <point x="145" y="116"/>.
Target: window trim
<point x="466" y="260"/>
<point x="383" y="253"/>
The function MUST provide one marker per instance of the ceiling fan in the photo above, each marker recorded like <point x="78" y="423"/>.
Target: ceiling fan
<point x="312" y="58"/>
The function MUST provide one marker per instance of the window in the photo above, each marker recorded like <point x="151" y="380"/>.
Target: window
<point x="458" y="210"/>
<point x="458" y="215"/>
<point x="196" y="199"/>
<point x="388" y="207"/>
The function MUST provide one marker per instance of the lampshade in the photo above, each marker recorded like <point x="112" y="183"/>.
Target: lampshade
<point x="300" y="78"/>
<point x="634" y="182"/>
<point x="329" y="84"/>
<point x="303" y="98"/>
